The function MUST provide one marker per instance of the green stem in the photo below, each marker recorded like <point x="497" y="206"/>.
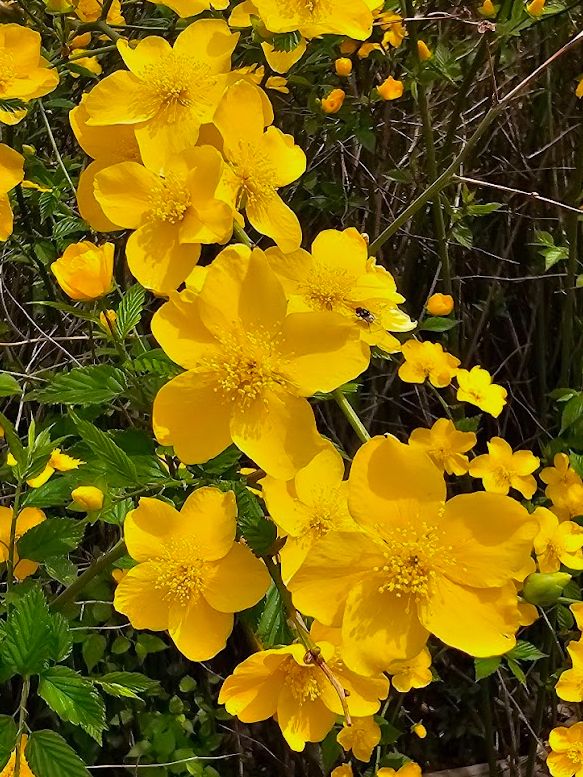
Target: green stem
<point x="444" y="179"/>
<point x="99" y="26"/>
<point x="351" y="416"/>
<point x="56" y="148"/>
<point x="22" y="713"/>
<point x="12" y="540"/>
<point x="488" y="727"/>
<point x="102" y="563"/>
<point x="242" y="236"/>
<point x="544" y="667"/>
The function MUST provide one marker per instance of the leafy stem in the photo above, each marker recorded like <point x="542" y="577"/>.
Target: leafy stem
<point x="99" y="565"/>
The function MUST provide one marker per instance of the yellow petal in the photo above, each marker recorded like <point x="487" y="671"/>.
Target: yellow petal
<point x="137" y="598"/>
<point x="178" y="327"/>
<point x="157" y="259"/>
<point x="301" y="723"/>
<point x="199" y="631"/>
<point x="237" y="581"/>
<point x="11" y="168"/>
<point x="119" y="99"/>
<point x="148" y="528"/>
<point x="148" y="52"/>
<point x="124" y="193"/>
<point x="209" y="516"/>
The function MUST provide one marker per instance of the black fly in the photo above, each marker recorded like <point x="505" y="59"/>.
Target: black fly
<point x="365" y="315"/>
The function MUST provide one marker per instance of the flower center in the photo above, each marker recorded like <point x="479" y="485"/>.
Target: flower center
<point x="169" y="200"/>
<point x="306" y="10"/>
<point x="180" y="573"/>
<point x="327" y="288"/>
<point x="575" y="753"/>
<point x="502" y="477"/>
<point x="324" y="514"/>
<point x="301" y="681"/>
<point x="254" y="171"/>
<point x="7" y="71"/>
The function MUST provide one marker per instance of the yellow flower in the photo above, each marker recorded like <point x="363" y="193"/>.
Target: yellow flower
<point x="25" y="770"/>
<point x="410" y="769"/>
<point x="27" y="519"/>
<point x="171" y="213"/>
<point x="445" y="445"/>
<point x="107" y="319"/>
<point x="367" y="49"/>
<point x="557" y="543"/>
<point x="569" y="686"/>
<point x="89" y="63"/>
<point x="260" y="161"/>
<point x="419" y="730"/>
<point x="191" y="574"/>
<point x="11" y="174"/>
<point x="361" y="737"/>
<point x="306" y="508"/>
<point x="577" y="610"/>
<point x="89" y="498"/>
<point x="559" y="477"/>
<point x="348" y="46"/>
<point x="167" y="93"/>
<point x="90" y="11"/>
<point x="566" y="756"/>
<point x="440" y="304"/>
<point x="423" y="51"/>
<point x="411" y="673"/>
<point x="62" y="462"/>
<point x="282" y="61"/>
<point x="339" y="276"/>
<point x="333" y="101"/>
<point x="186" y="8"/>
<point x="427" y="361"/>
<point x="536" y="7"/>
<point x="568" y="503"/>
<point x="249" y="366"/>
<point x="343" y="67"/>
<point x="40" y="479"/>
<point x="277" y="84"/>
<point x="85" y="271"/>
<point x="281" y="682"/>
<point x="579" y="89"/>
<point x="317" y="17"/>
<point x="394" y="28"/>
<point x="107" y="145"/>
<point x="476" y="387"/>
<point x="344" y="770"/>
<point x="500" y="469"/>
<point x="391" y="89"/>
<point x="421" y="566"/>
<point x="24" y="72"/>
<point x="487" y="8"/>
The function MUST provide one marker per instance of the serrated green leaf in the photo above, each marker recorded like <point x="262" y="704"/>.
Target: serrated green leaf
<point x="8" y="385"/>
<point x="516" y="670"/>
<point x="55" y="493"/>
<point x="571" y="412"/>
<point x="105" y="449"/>
<point x="15" y="446"/>
<point x="8" y="736"/>
<point x="48" y="755"/>
<point x="93" y="650"/>
<point x="60" y="638"/>
<point x="25" y="637"/>
<point x="126" y="684"/>
<point x="69" y="225"/>
<point x="61" y="569"/>
<point x="74" y="699"/>
<point x="525" y="651"/>
<point x="94" y="385"/>
<point x="52" y="537"/>
<point x="438" y="324"/>
<point x="484" y="667"/>
<point x="130" y="310"/>
<point x="258" y="531"/>
<point x="273" y="628"/>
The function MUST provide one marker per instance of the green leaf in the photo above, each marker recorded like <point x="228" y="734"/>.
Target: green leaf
<point x="571" y="412"/>
<point x="48" y="755"/>
<point x="94" y="385"/>
<point x="286" y="41"/>
<point x="74" y="699"/>
<point x="69" y="225"/>
<point x="106" y="450"/>
<point x="272" y="628"/>
<point x="8" y="736"/>
<point x="516" y="670"/>
<point x="438" y="324"/>
<point x="93" y="650"/>
<point x="484" y="667"/>
<point x="53" y="537"/>
<point x="258" y="531"/>
<point x="130" y="310"/>
<point x="25" y="645"/>
<point x="60" y="638"/>
<point x="8" y="385"/>
<point x="126" y="684"/>
<point x="15" y="446"/>
<point x="55" y="493"/>
<point x="61" y="569"/>
<point x="524" y="651"/>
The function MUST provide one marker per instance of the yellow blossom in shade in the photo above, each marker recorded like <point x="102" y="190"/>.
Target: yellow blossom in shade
<point x="338" y="275"/>
<point x="308" y="507"/>
<point x="167" y="93"/>
<point x="445" y="445"/>
<point x="391" y="89"/>
<point x="277" y="84"/>
<point x="333" y="101"/>
<point x="39" y="480"/>
<point x="118" y="575"/>
<point x="85" y="271"/>
<point x="535" y="7"/>
<point x="27" y="519"/>
<point x="24" y="73"/>
<point x="579" y="89"/>
<point x="344" y="770"/>
<point x="250" y="367"/>
<point x="367" y="49"/>
<point x="89" y="498"/>
<point x="107" y="321"/>
<point x="11" y="174"/>
<point x="411" y="673"/>
<point x="25" y="770"/>
<point x="559" y="477"/>
<point x="427" y="361"/>
<point x="63" y="462"/>
<point x="476" y="387"/>
<point x="186" y="8"/>
<point x="419" y="730"/>
<point x="90" y="11"/>
<point x="421" y="566"/>
<point x="89" y="63"/>
<point x="393" y="27"/>
<point x="361" y="737"/>
<point x="281" y="682"/>
<point x="317" y="17"/>
<point x="348" y="47"/>
<point x="440" y="304"/>
<point x="171" y="213"/>
<point x="566" y="756"/>
<point x="500" y="469"/>
<point x="2" y="432"/>
<point x="577" y="610"/>
<point x="569" y="686"/>
<point x="260" y="161"/>
<point x="343" y="67"/>
<point x="568" y="503"/>
<point x="423" y="51"/>
<point x="10" y="460"/>
<point x="192" y="575"/>
<point x="409" y="769"/>
<point x="557" y="543"/>
<point x="528" y="613"/>
<point x="487" y="8"/>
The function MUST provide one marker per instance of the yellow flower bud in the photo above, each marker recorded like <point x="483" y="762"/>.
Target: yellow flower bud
<point x="1" y="432"/>
<point x="89" y="498"/>
<point x="334" y="101"/>
<point x="118" y="575"/>
<point x="85" y="271"/>
<point x="81" y="41"/>
<point x="343" y="67"/>
<point x="348" y="46"/>
<point x="487" y="8"/>
<point x="423" y="50"/>
<point x="544" y="588"/>
<point x="536" y="7"/>
<point x="391" y="89"/>
<point x="440" y="304"/>
<point x="419" y="730"/>
<point x="579" y="89"/>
